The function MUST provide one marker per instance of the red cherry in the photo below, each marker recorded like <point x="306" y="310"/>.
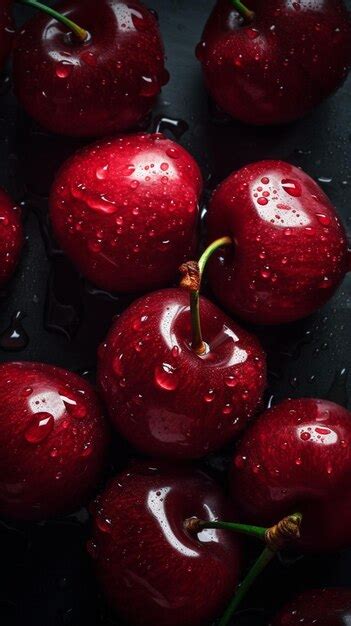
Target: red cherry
<point x="152" y="570"/>
<point x="6" y="30"/>
<point x="11" y="237"/>
<point x="162" y="396"/>
<point x="54" y="441"/>
<point x="320" y="607"/>
<point x="290" y="250"/>
<point x="125" y="211"/>
<point x="272" y="69"/>
<point x="296" y="457"/>
<point x="106" y="84"/>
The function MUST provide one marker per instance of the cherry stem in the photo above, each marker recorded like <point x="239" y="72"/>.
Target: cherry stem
<point x="276" y="537"/>
<point x="79" y="32"/>
<point x="192" y="276"/>
<point x="263" y="560"/>
<point x="246" y="13"/>
<point x="193" y="524"/>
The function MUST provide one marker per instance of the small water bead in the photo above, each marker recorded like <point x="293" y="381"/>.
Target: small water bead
<point x="227" y="409"/>
<point x="323" y="219"/>
<point x="305" y="436"/>
<point x="266" y="272"/>
<point x="149" y="86"/>
<point x="298" y="461"/>
<point x="40" y="428"/>
<point x="209" y="396"/>
<point x="230" y="381"/>
<point x="104" y="524"/>
<point x="262" y="201"/>
<point x="28" y="391"/>
<point x="173" y="153"/>
<point x="292" y="187"/>
<point x="135" y="183"/>
<point x="200" y="50"/>
<point x="175" y="352"/>
<point x="164" y="166"/>
<point x="54" y="453"/>
<point x="92" y="549"/>
<point x="101" y="172"/>
<point x="251" y="33"/>
<point x="240" y="461"/>
<point x="166" y="377"/>
<point x="63" y="69"/>
<point x="89" y="58"/>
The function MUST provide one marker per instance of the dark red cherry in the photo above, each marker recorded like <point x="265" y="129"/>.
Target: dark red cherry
<point x="125" y="211"/>
<point x="106" y="84"/>
<point x="151" y="569"/>
<point x="53" y="441"/>
<point x="162" y="396"/>
<point x="318" y="607"/>
<point x="272" y="68"/>
<point x="296" y="458"/>
<point x="11" y="237"/>
<point x="290" y="248"/>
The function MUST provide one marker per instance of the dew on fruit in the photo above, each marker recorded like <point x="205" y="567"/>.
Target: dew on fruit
<point x="292" y="187"/>
<point x="63" y="69"/>
<point x="323" y="219"/>
<point x="40" y="428"/>
<point x="209" y="396"/>
<point x="166" y="377"/>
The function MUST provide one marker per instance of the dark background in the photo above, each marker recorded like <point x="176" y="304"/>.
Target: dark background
<point x="47" y="579"/>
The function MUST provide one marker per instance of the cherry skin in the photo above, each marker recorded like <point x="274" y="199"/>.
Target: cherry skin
<point x="296" y="457"/>
<point x="163" y="397"/>
<point x="320" y="607"/>
<point x="151" y="569"/>
<point x="272" y="69"/>
<point x="6" y="30"/>
<point x="125" y="211"/>
<point x="290" y="250"/>
<point x="54" y="441"/>
<point x="107" y="84"/>
<point x="11" y="237"/>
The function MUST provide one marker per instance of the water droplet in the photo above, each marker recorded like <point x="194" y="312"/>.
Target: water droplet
<point x="89" y="58"/>
<point x="101" y="172"/>
<point x="262" y="201"/>
<point x="323" y="219"/>
<point x="40" y="428"/>
<point x="149" y="86"/>
<point x="63" y="69"/>
<point x="104" y="524"/>
<point x="166" y="377"/>
<point x="292" y="187"/>
<point x="209" y="396"/>
<point x="230" y="381"/>
<point x="298" y="461"/>
<point x="305" y="436"/>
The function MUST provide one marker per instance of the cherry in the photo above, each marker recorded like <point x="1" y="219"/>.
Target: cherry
<point x="54" y="441"/>
<point x="171" y="398"/>
<point x="6" y="30"/>
<point x="290" y="250"/>
<point x="11" y="237"/>
<point x="296" y="457"/>
<point x="125" y="211"/>
<point x="101" y="78"/>
<point x="320" y="607"/>
<point x="150" y="567"/>
<point x="264" y="63"/>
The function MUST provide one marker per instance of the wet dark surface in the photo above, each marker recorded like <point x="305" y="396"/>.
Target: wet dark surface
<point x="50" y="314"/>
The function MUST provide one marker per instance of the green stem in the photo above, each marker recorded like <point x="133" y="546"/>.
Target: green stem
<point x="246" y="13"/>
<point x="192" y="281"/>
<point x="79" y="32"/>
<point x="266" y="556"/>
<point x="258" y="532"/>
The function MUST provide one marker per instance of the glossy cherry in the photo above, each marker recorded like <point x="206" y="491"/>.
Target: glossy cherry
<point x="53" y="441"/>
<point x="11" y="237"/>
<point x="105" y="84"/>
<point x="320" y="607"/>
<point x="125" y="211"/>
<point x="271" y="68"/>
<point x="290" y="248"/>
<point x="151" y="569"/>
<point x="296" y="457"/>
<point x="165" y="398"/>
<point x="6" y="30"/>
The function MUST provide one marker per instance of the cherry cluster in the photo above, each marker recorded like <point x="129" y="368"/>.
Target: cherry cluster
<point x="125" y="210"/>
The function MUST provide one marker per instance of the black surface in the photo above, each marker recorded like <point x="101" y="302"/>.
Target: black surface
<point x="47" y="577"/>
